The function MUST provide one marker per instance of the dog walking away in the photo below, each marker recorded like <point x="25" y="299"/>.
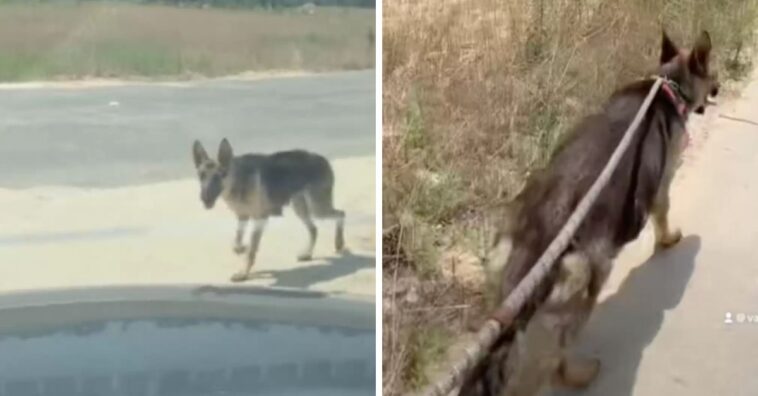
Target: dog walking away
<point x="258" y="186"/>
<point x="532" y="355"/>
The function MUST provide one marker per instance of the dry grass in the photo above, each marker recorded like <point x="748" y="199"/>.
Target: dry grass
<point x="420" y="318"/>
<point x="477" y="93"/>
<point x="39" y="41"/>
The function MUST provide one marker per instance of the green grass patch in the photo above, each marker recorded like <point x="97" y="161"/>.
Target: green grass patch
<point x="115" y="40"/>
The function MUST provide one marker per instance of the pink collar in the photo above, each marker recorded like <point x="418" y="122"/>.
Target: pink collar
<point x="681" y="107"/>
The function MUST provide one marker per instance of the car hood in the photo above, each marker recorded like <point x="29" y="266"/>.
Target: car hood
<point x="186" y="339"/>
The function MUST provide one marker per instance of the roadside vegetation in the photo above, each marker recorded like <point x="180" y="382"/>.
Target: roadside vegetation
<point x="74" y="40"/>
<point x="476" y="94"/>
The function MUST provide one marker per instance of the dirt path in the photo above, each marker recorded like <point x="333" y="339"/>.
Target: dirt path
<point x="661" y="329"/>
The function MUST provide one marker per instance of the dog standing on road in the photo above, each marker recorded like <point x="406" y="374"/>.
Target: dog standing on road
<point x="533" y="352"/>
<point x="257" y="186"/>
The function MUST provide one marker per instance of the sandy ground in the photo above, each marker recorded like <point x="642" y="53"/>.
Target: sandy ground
<point x="53" y="237"/>
<point x="661" y="328"/>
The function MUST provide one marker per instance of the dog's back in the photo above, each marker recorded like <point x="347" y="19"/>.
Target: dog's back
<point x="281" y="175"/>
<point x="620" y="211"/>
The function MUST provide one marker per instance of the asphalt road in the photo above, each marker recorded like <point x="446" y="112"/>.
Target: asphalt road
<point x="139" y="133"/>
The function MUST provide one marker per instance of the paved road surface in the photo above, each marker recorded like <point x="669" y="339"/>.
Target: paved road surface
<point x="139" y="133"/>
<point x="97" y="185"/>
<point x="661" y="328"/>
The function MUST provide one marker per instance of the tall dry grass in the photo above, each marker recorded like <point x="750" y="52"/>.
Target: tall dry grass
<point x="40" y="41"/>
<point x="477" y="93"/>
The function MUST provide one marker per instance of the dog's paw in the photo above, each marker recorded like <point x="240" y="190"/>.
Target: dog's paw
<point x="304" y="257"/>
<point x="239" y="249"/>
<point x="343" y="251"/>
<point x="578" y="373"/>
<point x="669" y="240"/>
<point x="240" y="276"/>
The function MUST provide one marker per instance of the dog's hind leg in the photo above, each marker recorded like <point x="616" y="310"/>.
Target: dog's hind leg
<point x="258" y="226"/>
<point x="533" y="359"/>
<point x="300" y="206"/>
<point x="339" y="234"/>
<point x="539" y="350"/>
<point x="242" y="221"/>
<point x="577" y="372"/>
<point x="587" y="276"/>
<point x="320" y="200"/>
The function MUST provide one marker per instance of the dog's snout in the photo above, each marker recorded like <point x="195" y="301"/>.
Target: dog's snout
<point x="715" y="90"/>
<point x="210" y="191"/>
<point x="207" y="201"/>
<point x="709" y="100"/>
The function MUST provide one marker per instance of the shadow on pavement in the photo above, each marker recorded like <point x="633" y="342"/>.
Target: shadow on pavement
<point x="320" y="271"/>
<point x="627" y="322"/>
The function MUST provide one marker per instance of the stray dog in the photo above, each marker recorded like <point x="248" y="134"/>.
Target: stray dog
<point x="531" y="354"/>
<point x="257" y="186"/>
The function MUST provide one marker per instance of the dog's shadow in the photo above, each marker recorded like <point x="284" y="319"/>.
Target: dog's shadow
<point x="627" y="322"/>
<point x="320" y="270"/>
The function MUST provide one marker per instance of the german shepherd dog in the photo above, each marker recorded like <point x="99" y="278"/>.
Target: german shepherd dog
<point x="532" y="354"/>
<point x="257" y="186"/>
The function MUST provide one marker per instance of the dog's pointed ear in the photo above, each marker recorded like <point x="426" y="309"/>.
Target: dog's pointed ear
<point x="198" y="153"/>
<point x="669" y="50"/>
<point x="225" y="153"/>
<point x="700" y="54"/>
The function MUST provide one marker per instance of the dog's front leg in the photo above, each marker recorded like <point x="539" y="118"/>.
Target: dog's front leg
<point x="664" y="237"/>
<point x="258" y="226"/>
<point x="242" y="221"/>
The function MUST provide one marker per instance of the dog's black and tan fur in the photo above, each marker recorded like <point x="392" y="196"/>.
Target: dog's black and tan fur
<point x="532" y="354"/>
<point x="258" y="186"/>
